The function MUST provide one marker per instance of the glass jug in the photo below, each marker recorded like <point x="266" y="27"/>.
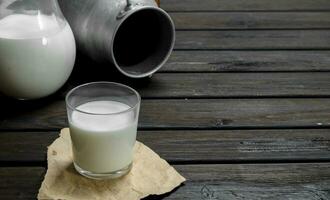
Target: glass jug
<point x="37" y="48"/>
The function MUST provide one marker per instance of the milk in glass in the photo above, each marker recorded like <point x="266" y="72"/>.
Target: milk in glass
<point x="103" y="142"/>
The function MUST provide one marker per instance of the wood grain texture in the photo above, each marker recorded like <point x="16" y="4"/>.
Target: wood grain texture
<point x="280" y="181"/>
<point x="215" y="85"/>
<point x="247" y="61"/>
<point x="194" y="146"/>
<point x="25" y="146"/>
<point x="20" y="182"/>
<point x="183" y="114"/>
<point x="251" y="20"/>
<point x="253" y="39"/>
<point x="244" y="5"/>
<point x="249" y="181"/>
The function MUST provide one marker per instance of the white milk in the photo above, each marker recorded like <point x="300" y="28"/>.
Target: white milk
<point x="103" y="143"/>
<point x="37" y="55"/>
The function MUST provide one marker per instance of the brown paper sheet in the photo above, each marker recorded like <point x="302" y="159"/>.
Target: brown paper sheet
<point x="150" y="175"/>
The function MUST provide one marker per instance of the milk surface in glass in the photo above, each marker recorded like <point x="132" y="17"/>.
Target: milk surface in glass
<point x="37" y="54"/>
<point x="103" y="142"/>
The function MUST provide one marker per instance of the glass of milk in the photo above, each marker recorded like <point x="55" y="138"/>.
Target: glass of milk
<point x="37" y="48"/>
<point x="103" y="119"/>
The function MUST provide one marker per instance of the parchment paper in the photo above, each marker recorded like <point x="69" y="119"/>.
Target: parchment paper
<point x="150" y="175"/>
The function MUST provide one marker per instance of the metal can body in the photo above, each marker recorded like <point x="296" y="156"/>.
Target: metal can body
<point x="135" y="35"/>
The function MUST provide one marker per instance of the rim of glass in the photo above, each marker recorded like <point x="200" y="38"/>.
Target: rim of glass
<point x="102" y="82"/>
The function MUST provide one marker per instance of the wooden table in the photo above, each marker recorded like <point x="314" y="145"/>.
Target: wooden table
<point x="241" y="109"/>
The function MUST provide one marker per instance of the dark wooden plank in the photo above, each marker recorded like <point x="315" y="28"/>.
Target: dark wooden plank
<point x="214" y="85"/>
<point x="181" y="146"/>
<point x="20" y="182"/>
<point x="219" y="61"/>
<point x="233" y="85"/>
<point x="25" y="146"/>
<point x="235" y="113"/>
<point x="196" y="113"/>
<point x="186" y="85"/>
<point x="253" y="39"/>
<point x="246" y="5"/>
<point x="251" y="20"/>
<point x="249" y="181"/>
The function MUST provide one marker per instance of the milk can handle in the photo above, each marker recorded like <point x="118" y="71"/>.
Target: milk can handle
<point x="129" y="6"/>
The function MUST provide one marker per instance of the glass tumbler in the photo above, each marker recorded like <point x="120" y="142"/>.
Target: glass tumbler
<point x="103" y="118"/>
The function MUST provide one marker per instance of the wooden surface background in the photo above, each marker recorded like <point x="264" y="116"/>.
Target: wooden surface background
<point x="241" y="109"/>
